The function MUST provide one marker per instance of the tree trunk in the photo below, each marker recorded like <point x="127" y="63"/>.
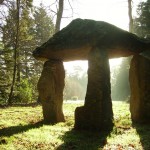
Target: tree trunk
<point x="15" y="54"/>
<point x="130" y="15"/>
<point x="59" y="15"/>
<point x="18" y="78"/>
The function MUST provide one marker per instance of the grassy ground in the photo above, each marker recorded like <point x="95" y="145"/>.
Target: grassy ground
<point x="21" y="129"/>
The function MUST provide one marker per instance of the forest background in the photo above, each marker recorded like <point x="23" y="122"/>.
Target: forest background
<point x="24" y="26"/>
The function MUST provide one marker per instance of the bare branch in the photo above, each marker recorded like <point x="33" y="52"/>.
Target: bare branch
<point x="70" y="6"/>
<point x="53" y="11"/>
<point x="56" y="1"/>
<point x="67" y="17"/>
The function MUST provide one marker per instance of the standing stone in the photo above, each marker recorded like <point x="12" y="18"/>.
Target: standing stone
<point x="140" y="89"/>
<point x="50" y="88"/>
<point x="96" y="114"/>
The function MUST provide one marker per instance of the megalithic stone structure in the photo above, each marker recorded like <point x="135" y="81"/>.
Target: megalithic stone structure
<point x="96" y="114"/>
<point x="50" y="88"/>
<point x="139" y="76"/>
<point x="95" y="41"/>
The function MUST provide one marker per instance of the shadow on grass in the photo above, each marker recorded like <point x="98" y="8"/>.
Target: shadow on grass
<point x="83" y="140"/>
<point x="9" y="131"/>
<point x="144" y="132"/>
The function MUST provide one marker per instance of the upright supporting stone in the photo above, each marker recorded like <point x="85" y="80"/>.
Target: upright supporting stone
<point x="96" y="114"/>
<point x="50" y="87"/>
<point x="140" y="89"/>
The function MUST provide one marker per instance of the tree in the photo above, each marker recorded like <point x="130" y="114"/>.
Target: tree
<point x="142" y="21"/>
<point x="20" y="6"/>
<point x="44" y="27"/>
<point x="7" y="46"/>
<point x="33" y="30"/>
<point x="130" y="15"/>
<point x="15" y="51"/>
<point x="60" y="8"/>
<point x="59" y="15"/>
<point x="42" y="30"/>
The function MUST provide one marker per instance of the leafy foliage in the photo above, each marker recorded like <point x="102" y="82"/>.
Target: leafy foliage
<point x="25" y="91"/>
<point x="35" y="27"/>
<point x="142" y="21"/>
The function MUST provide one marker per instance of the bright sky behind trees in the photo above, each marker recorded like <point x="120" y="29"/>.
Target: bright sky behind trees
<point x="112" y="11"/>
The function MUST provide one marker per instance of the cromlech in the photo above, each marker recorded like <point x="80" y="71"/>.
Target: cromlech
<point x="97" y="42"/>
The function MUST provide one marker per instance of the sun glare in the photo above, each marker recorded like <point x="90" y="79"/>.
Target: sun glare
<point x="69" y="66"/>
<point x="115" y="62"/>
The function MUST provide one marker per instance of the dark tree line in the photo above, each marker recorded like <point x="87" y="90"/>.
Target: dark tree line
<point x="142" y="21"/>
<point x="22" y="28"/>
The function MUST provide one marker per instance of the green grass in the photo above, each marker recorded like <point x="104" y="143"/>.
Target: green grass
<point x="21" y="129"/>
